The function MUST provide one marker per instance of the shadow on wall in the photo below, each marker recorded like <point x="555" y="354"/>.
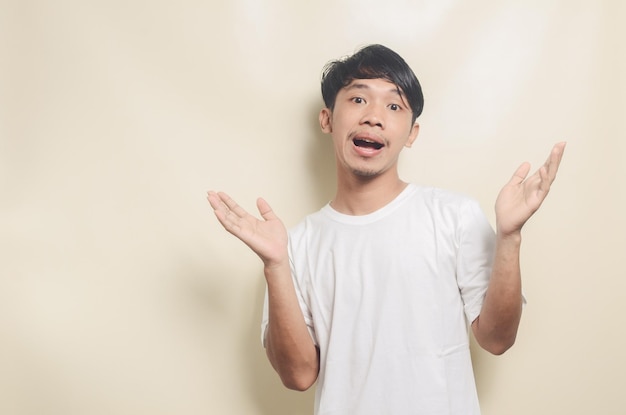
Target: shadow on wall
<point x="264" y="385"/>
<point x="321" y="159"/>
<point x="485" y="370"/>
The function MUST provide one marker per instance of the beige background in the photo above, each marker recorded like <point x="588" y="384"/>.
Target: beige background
<point x="120" y="293"/>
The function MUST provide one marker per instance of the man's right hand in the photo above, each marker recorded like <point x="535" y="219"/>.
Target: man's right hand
<point x="267" y="237"/>
<point x="289" y="345"/>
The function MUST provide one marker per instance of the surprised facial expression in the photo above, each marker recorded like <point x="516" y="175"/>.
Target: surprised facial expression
<point x="370" y="125"/>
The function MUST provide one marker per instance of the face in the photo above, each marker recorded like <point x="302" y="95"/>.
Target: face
<point x="370" y="125"/>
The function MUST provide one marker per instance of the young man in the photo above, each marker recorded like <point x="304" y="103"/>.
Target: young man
<point x="372" y="296"/>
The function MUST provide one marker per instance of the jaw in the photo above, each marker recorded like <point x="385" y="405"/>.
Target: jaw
<point x="365" y="164"/>
<point x="365" y="155"/>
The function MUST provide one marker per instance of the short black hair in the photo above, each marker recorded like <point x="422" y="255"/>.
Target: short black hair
<point x="372" y="62"/>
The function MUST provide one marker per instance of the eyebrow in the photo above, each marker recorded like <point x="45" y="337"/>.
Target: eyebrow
<point x="359" y="85"/>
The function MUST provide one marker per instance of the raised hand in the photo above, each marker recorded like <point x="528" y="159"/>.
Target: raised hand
<point x="267" y="237"/>
<point x="522" y="196"/>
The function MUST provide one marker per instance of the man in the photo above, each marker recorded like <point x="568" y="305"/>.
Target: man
<point x="372" y="296"/>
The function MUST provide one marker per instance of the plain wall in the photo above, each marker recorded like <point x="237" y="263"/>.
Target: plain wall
<point x="121" y="294"/>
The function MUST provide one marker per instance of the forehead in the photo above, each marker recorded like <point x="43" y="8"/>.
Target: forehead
<point x="377" y="85"/>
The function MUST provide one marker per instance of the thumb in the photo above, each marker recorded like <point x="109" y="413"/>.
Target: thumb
<point x="265" y="210"/>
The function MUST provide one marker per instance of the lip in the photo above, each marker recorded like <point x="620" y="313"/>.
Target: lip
<point x="364" y="135"/>
<point x="366" y="151"/>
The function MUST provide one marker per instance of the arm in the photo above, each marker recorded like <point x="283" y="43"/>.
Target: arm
<point x="496" y="327"/>
<point x="289" y="346"/>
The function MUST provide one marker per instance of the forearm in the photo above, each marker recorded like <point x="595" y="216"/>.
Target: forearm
<point x="496" y="327"/>
<point x="289" y="345"/>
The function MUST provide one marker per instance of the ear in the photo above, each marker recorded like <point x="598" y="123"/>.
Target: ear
<point x="326" y="120"/>
<point x="415" y="129"/>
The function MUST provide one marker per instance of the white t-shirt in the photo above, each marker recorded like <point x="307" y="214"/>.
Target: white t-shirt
<point x="388" y="298"/>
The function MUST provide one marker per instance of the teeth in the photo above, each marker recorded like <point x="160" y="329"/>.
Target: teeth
<point x="364" y="142"/>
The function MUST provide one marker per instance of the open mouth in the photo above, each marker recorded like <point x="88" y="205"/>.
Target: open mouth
<point x="365" y="143"/>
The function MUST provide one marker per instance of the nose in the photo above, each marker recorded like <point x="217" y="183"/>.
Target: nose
<point x="373" y="117"/>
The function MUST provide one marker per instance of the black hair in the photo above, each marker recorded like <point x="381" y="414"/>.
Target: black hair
<point x="372" y="62"/>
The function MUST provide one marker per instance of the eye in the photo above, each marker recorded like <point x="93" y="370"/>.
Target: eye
<point x="358" y="100"/>
<point x="395" y="107"/>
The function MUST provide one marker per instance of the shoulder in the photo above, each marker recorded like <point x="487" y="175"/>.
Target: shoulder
<point x="449" y="209"/>
<point x="441" y="198"/>
<point x="307" y="224"/>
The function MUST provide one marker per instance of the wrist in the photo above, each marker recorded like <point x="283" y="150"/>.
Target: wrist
<point x="511" y="237"/>
<point x="271" y="267"/>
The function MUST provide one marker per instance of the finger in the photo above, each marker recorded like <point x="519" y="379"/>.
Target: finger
<point x="545" y="181"/>
<point x="520" y="174"/>
<point x="232" y="205"/>
<point x="265" y="210"/>
<point x="226" y="217"/>
<point x="215" y="201"/>
<point x="557" y="155"/>
<point x="219" y="208"/>
<point x="554" y="160"/>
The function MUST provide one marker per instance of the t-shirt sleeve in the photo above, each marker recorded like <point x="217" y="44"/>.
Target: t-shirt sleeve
<point x="476" y="240"/>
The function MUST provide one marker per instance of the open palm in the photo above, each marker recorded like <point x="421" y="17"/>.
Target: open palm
<point x="267" y="237"/>
<point x="522" y="195"/>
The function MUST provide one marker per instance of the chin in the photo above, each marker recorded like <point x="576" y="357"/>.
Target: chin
<point x="365" y="173"/>
<point x="363" y="170"/>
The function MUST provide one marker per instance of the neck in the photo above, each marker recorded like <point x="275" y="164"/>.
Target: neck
<point x="363" y="195"/>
